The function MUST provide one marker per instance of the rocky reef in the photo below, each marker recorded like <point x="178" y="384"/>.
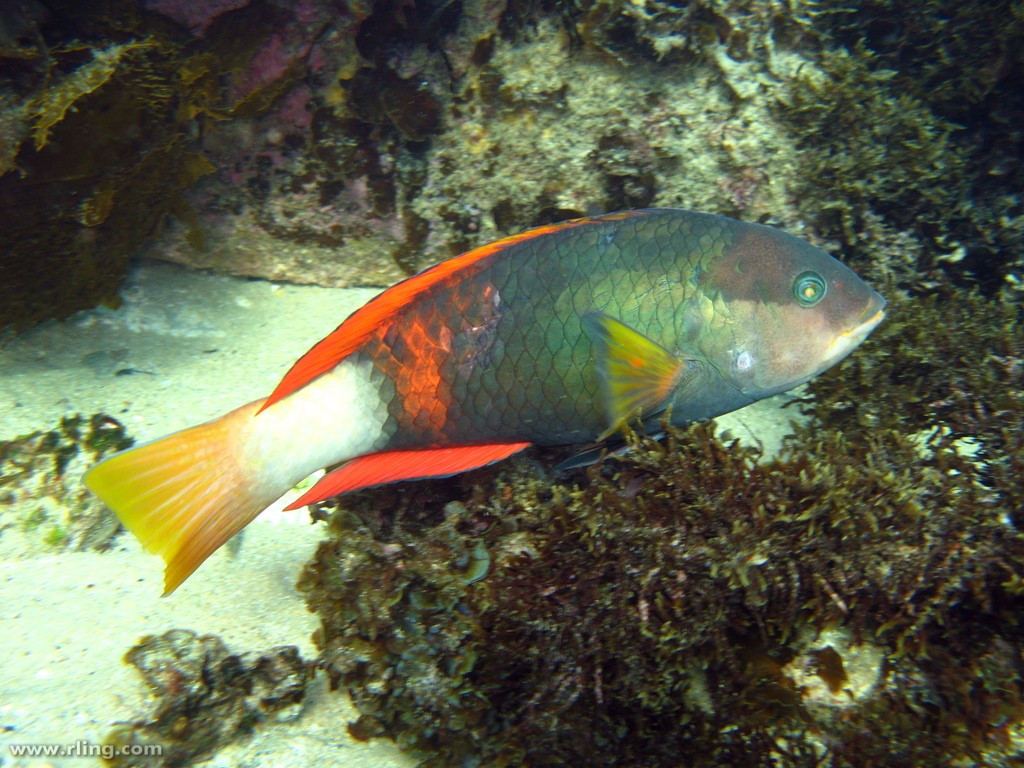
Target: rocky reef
<point x="355" y="143"/>
<point x="855" y="601"/>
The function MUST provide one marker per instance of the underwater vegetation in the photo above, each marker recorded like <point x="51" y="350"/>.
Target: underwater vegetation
<point x="42" y="502"/>
<point x="903" y="116"/>
<point x="204" y="696"/>
<point x="854" y="601"/>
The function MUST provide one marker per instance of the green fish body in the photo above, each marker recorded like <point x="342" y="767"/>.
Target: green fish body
<point x="528" y="343"/>
<point x="560" y="335"/>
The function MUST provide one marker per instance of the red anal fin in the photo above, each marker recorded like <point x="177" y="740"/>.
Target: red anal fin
<point x="357" y="328"/>
<point x="392" y="466"/>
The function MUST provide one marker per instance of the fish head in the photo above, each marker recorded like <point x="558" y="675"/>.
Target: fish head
<point x="787" y="311"/>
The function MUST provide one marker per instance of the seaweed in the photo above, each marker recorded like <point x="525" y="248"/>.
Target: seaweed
<point x="872" y="142"/>
<point x="54" y="103"/>
<point x="358" y="142"/>
<point x="900" y="110"/>
<point x="957" y="55"/>
<point x="950" y="366"/>
<point x="915" y="119"/>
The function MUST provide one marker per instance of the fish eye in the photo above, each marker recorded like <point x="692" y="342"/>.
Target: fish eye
<point x="809" y="288"/>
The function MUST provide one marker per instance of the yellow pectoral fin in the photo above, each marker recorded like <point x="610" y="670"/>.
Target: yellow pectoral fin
<point x="639" y="375"/>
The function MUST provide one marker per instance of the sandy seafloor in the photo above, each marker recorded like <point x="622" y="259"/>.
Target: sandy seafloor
<point x="201" y="345"/>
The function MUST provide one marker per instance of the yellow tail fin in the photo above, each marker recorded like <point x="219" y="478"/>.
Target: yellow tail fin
<point x="185" y="495"/>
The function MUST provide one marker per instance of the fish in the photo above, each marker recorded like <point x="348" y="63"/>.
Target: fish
<point x="562" y="335"/>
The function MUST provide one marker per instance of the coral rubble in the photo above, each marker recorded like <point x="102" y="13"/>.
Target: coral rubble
<point x="205" y="696"/>
<point x="43" y="503"/>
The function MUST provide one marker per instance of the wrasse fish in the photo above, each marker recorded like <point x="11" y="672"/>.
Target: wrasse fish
<point x="560" y="335"/>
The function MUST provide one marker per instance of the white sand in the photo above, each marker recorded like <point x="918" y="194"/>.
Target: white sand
<point x="196" y="346"/>
<point x="205" y="344"/>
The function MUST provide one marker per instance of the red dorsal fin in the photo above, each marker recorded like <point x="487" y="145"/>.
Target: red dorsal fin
<point x="348" y="336"/>
<point x="392" y="466"/>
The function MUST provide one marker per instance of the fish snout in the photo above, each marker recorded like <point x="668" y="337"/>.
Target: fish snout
<point x="873" y="314"/>
<point x="850" y="338"/>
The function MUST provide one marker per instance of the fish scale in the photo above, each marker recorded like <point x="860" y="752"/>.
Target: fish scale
<point x="538" y="381"/>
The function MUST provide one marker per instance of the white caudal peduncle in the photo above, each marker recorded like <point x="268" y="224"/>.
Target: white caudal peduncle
<point x="337" y="416"/>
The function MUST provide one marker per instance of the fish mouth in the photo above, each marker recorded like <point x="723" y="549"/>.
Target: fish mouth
<point x="851" y="338"/>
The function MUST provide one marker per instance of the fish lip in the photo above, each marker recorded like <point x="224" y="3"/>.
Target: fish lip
<point x="867" y="326"/>
<point x="849" y="339"/>
<point x="872" y="315"/>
